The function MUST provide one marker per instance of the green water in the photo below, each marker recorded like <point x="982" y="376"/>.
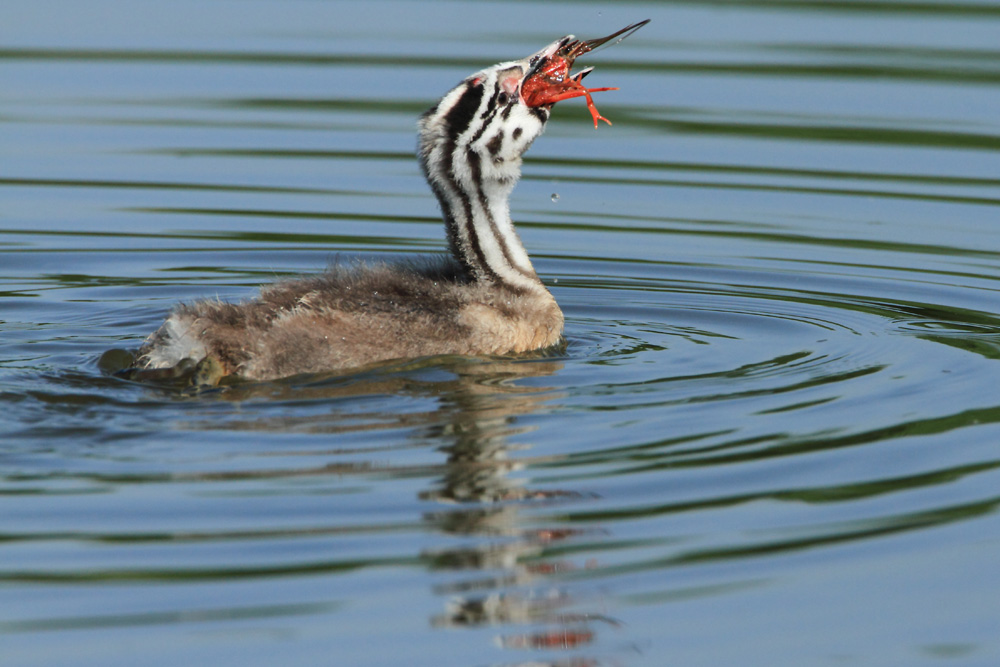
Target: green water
<point x="771" y="438"/>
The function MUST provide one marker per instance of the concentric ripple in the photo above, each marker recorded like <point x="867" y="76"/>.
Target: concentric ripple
<point x="771" y="436"/>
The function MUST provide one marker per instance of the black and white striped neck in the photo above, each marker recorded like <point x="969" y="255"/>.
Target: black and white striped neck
<point x="471" y="145"/>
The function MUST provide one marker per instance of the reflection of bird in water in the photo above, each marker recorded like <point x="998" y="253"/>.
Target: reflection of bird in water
<point x="485" y="299"/>
<point x="503" y="574"/>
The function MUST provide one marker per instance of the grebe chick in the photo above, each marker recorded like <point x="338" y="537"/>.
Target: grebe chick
<point x="486" y="299"/>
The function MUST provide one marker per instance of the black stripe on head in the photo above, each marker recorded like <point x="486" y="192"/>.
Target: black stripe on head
<point x="491" y="104"/>
<point x="541" y="113"/>
<point x="495" y="144"/>
<point x="460" y="115"/>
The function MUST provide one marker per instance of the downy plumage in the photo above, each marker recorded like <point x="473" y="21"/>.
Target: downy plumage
<point x="483" y="299"/>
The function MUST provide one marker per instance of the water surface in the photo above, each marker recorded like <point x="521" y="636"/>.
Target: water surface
<point x="770" y="439"/>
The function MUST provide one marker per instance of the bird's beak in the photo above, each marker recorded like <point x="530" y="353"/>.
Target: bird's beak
<point x="548" y="79"/>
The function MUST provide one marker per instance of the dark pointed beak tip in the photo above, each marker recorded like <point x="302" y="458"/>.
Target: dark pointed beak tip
<point x="576" y="48"/>
<point x="621" y="34"/>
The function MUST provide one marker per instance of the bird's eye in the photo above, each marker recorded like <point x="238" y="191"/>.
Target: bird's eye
<point x="503" y="98"/>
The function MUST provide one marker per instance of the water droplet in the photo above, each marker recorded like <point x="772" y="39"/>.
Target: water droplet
<point x="555" y="196"/>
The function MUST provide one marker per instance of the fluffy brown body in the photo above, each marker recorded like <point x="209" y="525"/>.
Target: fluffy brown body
<point x="354" y="316"/>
